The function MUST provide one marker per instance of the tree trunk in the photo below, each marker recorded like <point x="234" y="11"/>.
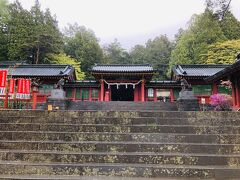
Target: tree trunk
<point x="37" y="55"/>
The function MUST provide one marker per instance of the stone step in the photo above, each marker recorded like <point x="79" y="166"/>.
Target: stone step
<point x="76" y="177"/>
<point x="120" y="157"/>
<point x="110" y="169"/>
<point x="123" y="105"/>
<point x="150" y="128"/>
<point x="123" y="121"/>
<point x="155" y="120"/>
<point x="106" y="136"/>
<point x="121" y="146"/>
<point x="120" y="114"/>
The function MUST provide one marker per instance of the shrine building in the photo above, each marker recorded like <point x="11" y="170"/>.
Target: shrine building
<point x="123" y="83"/>
<point x="130" y="82"/>
<point x="196" y="75"/>
<point x="231" y="77"/>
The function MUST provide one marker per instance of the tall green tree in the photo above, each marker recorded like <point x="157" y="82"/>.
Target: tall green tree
<point x="138" y="54"/>
<point x="62" y="58"/>
<point x="230" y="26"/>
<point x="228" y="23"/>
<point x="156" y="52"/>
<point x="115" y="54"/>
<point x="3" y="8"/>
<point x="192" y="45"/>
<point x="223" y="52"/>
<point x="3" y="28"/>
<point x="18" y="32"/>
<point x="46" y="36"/>
<point x="218" y="7"/>
<point x="82" y="44"/>
<point x="32" y="34"/>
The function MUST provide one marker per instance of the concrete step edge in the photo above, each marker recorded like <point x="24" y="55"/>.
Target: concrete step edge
<point x="114" y="142"/>
<point x="210" y="167"/>
<point x="121" y="125"/>
<point x="72" y="177"/>
<point x="117" y="153"/>
<point x="118" y="133"/>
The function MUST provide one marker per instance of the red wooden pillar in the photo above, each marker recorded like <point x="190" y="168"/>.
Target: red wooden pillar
<point x="101" y="90"/>
<point x="142" y="91"/>
<point x="34" y="105"/>
<point x="233" y="94"/>
<point x="171" y="95"/>
<point x="237" y="96"/>
<point x="136" y="94"/>
<point x="155" y="95"/>
<point x="214" y="88"/>
<point x="107" y="96"/>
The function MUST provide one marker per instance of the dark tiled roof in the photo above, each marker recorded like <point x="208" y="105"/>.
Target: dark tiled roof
<point x="39" y="70"/>
<point x="163" y="84"/>
<point x="225" y="72"/>
<point x="85" y="83"/>
<point x="198" y="70"/>
<point x="116" y="68"/>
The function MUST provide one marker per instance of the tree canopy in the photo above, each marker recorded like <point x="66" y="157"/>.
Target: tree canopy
<point x="30" y="35"/>
<point x="33" y="36"/>
<point x="203" y="30"/>
<point x="156" y="52"/>
<point x="213" y="29"/>
<point x="115" y="54"/>
<point x="3" y="27"/>
<point x="62" y="58"/>
<point x="223" y="52"/>
<point x="82" y="45"/>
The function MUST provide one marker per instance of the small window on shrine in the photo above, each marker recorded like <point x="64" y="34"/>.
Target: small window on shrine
<point x="85" y="94"/>
<point x="78" y="93"/>
<point x="94" y="94"/>
<point x="150" y="93"/>
<point x="69" y="93"/>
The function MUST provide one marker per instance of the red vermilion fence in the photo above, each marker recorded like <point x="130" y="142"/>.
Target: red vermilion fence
<point x="14" y="93"/>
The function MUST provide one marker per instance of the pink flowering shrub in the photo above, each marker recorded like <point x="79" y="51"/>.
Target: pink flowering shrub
<point x="221" y="102"/>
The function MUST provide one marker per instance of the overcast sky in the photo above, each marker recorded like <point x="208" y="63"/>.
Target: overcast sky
<point x="130" y="21"/>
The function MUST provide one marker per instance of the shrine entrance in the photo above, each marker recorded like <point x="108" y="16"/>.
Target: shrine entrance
<point x="122" y="93"/>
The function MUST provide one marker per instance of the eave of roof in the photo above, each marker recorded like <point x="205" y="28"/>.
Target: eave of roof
<point x="225" y="72"/>
<point x="122" y="68"/>
<point x="197" y="70"/>
<point x="39" y="70"/>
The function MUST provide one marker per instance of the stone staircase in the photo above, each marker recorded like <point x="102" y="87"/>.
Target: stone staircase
<point x="72" y="144"/>
<point x="122" y="106"/>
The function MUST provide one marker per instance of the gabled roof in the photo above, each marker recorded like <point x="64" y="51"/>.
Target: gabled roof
<point x="197" y="70"/>
<point x="122" y="68"/>
<point x="225" y="72"/>
<point x="39" y="70"/>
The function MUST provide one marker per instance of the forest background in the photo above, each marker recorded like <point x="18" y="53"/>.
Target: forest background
<point x="33" y="36"/>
